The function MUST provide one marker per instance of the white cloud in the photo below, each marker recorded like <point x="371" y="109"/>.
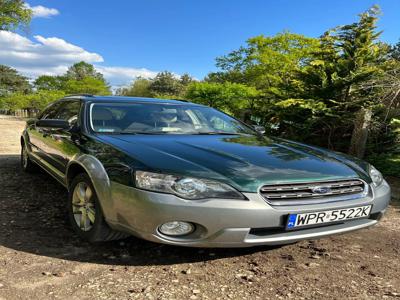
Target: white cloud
<point x="42" y="54"/>
<point x="53" y="56"/>
<point x="122" y="76"/>
<point x="40" y="11"/>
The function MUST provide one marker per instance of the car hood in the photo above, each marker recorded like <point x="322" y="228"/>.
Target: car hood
<point x="245" y="162"/>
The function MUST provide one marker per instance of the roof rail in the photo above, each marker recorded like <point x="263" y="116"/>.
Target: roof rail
<point x="82" y="95"/>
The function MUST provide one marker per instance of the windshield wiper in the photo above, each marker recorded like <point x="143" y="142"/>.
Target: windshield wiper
<point x="177" y="133"/>
<point x="217" y="133"/>
<point x="140" y="132"/>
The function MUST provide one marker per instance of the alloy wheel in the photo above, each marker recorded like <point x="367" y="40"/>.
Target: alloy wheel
<point x="83" y="206"/>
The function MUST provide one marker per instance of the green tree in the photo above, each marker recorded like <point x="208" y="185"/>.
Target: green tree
<point x="14" y="13"/>
<point x="348" y="56"/>
<point x="82" y="70"/>
<point x="384" y="134"/>
<point x="165" y="84"/>
<point x="360" y="51"/>
<point x="269" y="63"/>
<point x="51" y="83"/>
<point x="186" y="79"/>
<point x="227" y="76"/>
<point x="231" y="97"/>
<point x="80" y="78"/>
<point x="11" y="81"/>
<point x="89" y="85"/>
<point x="395" y="51"/>
<point x="37" y="100"/>
<point x="139" y="88"/>
<point x="312" y="89"/>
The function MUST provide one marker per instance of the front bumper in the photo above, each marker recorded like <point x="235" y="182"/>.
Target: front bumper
<point x="227" y="222"/>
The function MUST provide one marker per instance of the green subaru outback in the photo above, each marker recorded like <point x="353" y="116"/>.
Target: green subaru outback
<point x="185" y="174"/>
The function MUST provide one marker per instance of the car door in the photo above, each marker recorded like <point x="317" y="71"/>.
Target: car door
<point x="38" y="135"/>
<point x="61" y="144"/>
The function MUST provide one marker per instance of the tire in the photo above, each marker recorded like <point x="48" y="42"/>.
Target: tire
<point x="26" y="163"/>
<point x="85" y="213"/>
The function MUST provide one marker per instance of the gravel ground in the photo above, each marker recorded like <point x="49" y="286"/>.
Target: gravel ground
<point x="41" y="258"/>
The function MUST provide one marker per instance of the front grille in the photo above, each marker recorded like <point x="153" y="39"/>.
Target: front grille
<point x="288" y="193"/>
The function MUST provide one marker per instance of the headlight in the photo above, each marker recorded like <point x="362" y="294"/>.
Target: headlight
<point x="185" y="187"/>
<point x="375" y="175"/>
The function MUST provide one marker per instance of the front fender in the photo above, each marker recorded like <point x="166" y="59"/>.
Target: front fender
<point x="25" y="139"/>
<point x="99" y="177"/>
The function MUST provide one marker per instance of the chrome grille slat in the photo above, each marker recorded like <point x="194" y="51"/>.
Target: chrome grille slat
<point x="295" y="186"/>
<point x="295" y="191"/>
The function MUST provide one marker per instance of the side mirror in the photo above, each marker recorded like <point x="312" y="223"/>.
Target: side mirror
<point x="31" y="122"/>
<point x="52" y="123"/>
<point x="259" y="129"/>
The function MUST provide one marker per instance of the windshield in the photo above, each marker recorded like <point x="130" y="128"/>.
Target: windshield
<point x="159" y="118"/>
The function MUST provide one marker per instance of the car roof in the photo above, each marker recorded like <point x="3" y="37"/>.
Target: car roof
<point x="96" y="98"/>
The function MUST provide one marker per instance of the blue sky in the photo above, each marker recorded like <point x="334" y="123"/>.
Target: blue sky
<point x="186" y="36"/>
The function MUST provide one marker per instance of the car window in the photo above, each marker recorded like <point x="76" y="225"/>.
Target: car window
<point x="50" y="111"/>
<point x="221" y="125"/>
<point x="68" y="111"/>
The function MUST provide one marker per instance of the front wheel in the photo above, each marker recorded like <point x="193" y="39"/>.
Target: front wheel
<point x="85" y="213"/>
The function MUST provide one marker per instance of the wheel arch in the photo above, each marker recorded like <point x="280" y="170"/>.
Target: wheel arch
<point x="90" y="165"/>
<point x="73" y="170"/>
<point x="24" y="141"/>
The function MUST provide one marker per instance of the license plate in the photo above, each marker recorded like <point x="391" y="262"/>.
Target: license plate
<point x="328" y="216"/>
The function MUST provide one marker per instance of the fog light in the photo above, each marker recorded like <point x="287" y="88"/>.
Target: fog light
<point x="176" y="228"/>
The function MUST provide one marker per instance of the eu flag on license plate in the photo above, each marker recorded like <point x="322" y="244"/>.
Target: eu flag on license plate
<point x="291" y="221"/>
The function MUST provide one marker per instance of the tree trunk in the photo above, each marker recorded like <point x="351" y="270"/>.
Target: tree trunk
<point x="360" y="132"/>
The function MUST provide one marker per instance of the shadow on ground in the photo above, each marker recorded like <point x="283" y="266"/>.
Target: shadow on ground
<point x="33" y="219"/>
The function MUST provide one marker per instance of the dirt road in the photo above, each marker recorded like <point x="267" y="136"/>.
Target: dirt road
<point x="40" y="257"/>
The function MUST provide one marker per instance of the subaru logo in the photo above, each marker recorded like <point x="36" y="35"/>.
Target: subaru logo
<point x="320" y="190"/>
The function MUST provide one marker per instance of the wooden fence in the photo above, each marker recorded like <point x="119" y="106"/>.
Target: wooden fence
<point x="22" y="113"/>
